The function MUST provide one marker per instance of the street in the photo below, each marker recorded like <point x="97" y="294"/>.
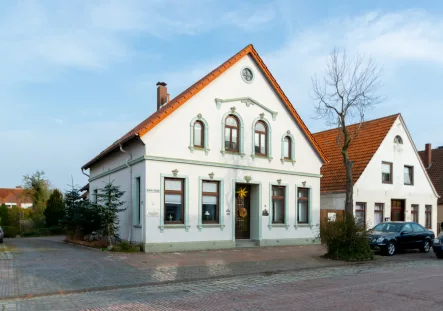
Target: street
<point x="84" y="279"/>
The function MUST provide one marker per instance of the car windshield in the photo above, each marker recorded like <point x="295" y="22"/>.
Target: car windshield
<point x="388" y="227"/>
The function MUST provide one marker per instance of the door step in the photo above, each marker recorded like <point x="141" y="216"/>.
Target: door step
<point x="245" y="243"/>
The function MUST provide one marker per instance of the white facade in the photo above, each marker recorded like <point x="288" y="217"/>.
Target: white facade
<point x="370" y="190"/>
<point x="167" y="151"/>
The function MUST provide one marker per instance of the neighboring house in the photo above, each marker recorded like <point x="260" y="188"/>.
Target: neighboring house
<point x="14" y="197"/>
<point x="185" y="167"/>
<point x="85" y="190"/>
<point x="433" y="162"/>
<point x="390" y="181"/>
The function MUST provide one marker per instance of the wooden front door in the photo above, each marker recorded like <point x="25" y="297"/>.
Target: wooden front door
<point x="397" y="210"/>
<point x="242" y="212"/>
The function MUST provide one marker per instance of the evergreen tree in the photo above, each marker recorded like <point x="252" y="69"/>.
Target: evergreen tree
<point x="73" y="204"/>
<point x="55" y="209"/>
<point x="4" y="215"/>
<point x="110" y="204"/>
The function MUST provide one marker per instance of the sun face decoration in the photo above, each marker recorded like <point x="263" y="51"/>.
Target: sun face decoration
<point x="242" y="192"/>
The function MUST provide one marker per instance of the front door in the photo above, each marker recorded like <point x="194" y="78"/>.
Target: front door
<point x="397" y="210"/>
<point x="242" y="209"/>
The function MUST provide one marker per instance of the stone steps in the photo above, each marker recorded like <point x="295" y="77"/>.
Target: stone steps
<point x="245" y="243"/>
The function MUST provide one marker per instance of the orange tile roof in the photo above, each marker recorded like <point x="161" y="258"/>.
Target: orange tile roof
<point x="13" y="195"/>
<point x="361" y="152"/>
<point x="182" y="98"/>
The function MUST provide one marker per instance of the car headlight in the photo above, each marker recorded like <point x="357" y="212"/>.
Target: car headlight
<point x="379" y="240"/>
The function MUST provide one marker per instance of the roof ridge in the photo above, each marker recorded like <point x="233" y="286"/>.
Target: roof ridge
<point x="364" y="122"/>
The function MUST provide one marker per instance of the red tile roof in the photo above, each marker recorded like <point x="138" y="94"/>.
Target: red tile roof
<point x="435" y="171"/>
<point x="13" y="195"/>
<point x="182" y="98"/>
<point x="361" y="152"/>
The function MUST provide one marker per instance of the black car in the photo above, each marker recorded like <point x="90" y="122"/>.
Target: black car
<point x="388" y="237"/>
<point x="437" y="245"/>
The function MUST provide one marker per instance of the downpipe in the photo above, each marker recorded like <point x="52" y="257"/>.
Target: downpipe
<point x="130" y="191"/>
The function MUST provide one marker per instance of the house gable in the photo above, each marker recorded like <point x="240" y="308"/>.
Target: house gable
<point x="250" y="103"/>
<point x="178" y="101"/>
<point x="400" y="155"/>
<point x="435" y="170"/>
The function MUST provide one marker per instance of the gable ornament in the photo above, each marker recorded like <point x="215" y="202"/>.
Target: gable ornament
<point x="211" y="175"/>
<point x="199" y="116"/>
<point x="175" y="172"/>
<point x="233" y="109"/>
<point x="248" y="178"/>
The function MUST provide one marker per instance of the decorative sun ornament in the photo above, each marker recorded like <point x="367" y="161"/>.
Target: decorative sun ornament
<point x="242" y="192"/>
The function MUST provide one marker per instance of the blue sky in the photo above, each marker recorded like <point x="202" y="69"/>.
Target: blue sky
<point x="76" y="75"/>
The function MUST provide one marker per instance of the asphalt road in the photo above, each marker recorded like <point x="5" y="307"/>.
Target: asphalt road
<point x="408" y="281"/>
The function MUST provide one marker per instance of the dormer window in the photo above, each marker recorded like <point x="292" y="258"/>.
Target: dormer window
<point x="398" y="140"/>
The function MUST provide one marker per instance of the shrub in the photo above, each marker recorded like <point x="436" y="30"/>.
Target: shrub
<point x="11" y="232"/>
<point x="345" y="239"/>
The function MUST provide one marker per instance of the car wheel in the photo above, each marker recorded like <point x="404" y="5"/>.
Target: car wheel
<point x="425" y="247"/>
<point x="389" y="249"/>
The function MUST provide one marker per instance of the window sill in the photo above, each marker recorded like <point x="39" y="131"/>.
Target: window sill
<point x="232" y="152"/>
<point x="278" y="225"/>
<point x="174" y="226"/>
<point x="284" y="160"/>
<point x="386" y="183"/>
<point x="408" y="184"/>
<point x="138" y="226"/>
<point x="260" y="156"/>
<point x="202" y="226"/>
<point x="303" y="225"/>
<point x="206" y="150"/>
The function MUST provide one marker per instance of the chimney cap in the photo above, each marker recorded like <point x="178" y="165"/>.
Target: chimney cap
<point x="161" y="83"/>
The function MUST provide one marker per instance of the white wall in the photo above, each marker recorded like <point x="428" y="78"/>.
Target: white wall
<point x="370" y="189"/>
<point x="194" y="172"/>
<point x="121" y="178"/>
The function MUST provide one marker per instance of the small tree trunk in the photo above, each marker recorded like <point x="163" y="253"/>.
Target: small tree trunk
<point x="349" y="202"/>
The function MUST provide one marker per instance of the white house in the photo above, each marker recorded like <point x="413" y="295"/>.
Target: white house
<point x="183" y="168"/>
<point x="390" y="181"/>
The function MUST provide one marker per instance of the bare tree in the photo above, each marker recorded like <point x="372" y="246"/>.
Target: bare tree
<point x="348" y="89"/>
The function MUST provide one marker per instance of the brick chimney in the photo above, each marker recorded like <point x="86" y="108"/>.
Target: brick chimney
<point x="162" y="94"/>
<point x="428" y="155"/>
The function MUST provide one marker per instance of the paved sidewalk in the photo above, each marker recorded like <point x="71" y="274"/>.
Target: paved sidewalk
<point x="46" y="266"/>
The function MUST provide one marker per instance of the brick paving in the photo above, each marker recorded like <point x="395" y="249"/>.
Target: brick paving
<point x="389" y="286"/>
<point x="112" y="281"/>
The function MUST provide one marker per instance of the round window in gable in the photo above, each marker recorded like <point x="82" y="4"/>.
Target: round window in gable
<point x="398" y="140"/>
<point x="247" y="75"/>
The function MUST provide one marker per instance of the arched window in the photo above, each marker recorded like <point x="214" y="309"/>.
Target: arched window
<point x="260" y="138"/>
<point x="199" y="134"/>
<point x="287" y="148"/>
<point x="231" y="133"/>
<point x="398" y="140"/>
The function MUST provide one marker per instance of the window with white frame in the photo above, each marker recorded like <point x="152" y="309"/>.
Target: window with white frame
<point x="278" y="204"/>
<point x="174" y="201"/>
<point x="360" y="214"/>
<point x="210" y="201"/>
<point x="378" y="213"/>
<point x="303" y="205"/>
<point x="428" y="214"/>
<point x="414" y="212"/>
<point x="408" y="172"/>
